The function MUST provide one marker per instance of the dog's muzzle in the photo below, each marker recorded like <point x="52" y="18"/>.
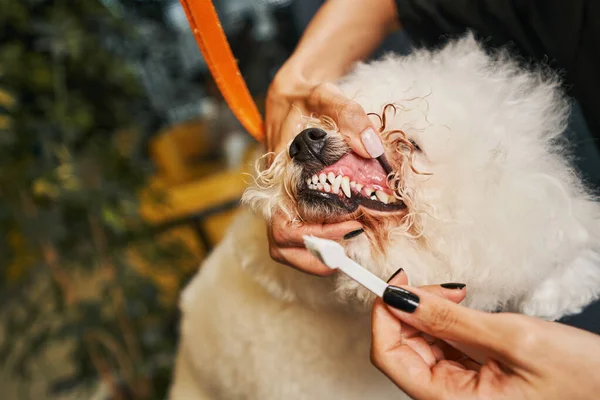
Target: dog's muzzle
<point x="337" y="178"/>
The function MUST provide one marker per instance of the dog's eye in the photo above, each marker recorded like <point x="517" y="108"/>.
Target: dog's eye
<point x="415" y="145"/>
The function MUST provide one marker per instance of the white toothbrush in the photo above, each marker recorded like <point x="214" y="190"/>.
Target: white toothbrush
<point x="333" y="255"/>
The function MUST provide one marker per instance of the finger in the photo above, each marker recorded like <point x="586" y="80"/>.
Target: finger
<point x="454" y="295"/>
<point x="276" y="115"/>
<point x="453" y="380"/>
<point x="470" y="364"/>
<point x="400" y="278"/>
<point x="290" y="234"/>
<point x="423" y="349"/>
<point x="351" y="118"/>
<point x="437" y="352"/>
<point x="399" y="362"/>
<point x="291" y="125"/>
<point x="450" y="353"/>
<point x="386" y="328"/>
<point x="300" y="259"/>
<point x="443" y="319"/>
<point x="284" y="109"/>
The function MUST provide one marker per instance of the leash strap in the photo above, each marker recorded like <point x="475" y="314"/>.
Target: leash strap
<point x="205" y="24"/>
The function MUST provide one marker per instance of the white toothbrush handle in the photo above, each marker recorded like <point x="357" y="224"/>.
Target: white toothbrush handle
<point x="362" y="276"/>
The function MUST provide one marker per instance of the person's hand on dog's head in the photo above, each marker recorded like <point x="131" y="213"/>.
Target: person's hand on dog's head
<point x="288" y="103"/>
<point x="286" y="244"/>
<point x="527" y="358"/>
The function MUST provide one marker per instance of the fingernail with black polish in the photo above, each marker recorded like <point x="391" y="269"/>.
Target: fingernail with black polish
<point x="453" y="285"/>
<point x="394" y="274"/>
<point x="401" y="299"/>
<point x="353" y="234"/>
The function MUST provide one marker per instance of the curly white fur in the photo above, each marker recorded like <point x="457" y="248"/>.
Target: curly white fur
<point x="504" y="212"/>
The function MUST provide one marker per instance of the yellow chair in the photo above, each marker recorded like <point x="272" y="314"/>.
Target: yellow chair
<point x="182" y="153"/>
<point x="6" y="102"/>
<point x="188" y="201"/>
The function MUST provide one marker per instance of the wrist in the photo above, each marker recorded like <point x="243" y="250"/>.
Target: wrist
<point x="294" y="83"/>
<point x="291" y="83"/>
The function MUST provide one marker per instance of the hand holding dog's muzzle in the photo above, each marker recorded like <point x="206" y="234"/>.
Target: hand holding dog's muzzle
<point x="288" y="102"/>
<point x="286" y="244"/>
<point x="289" y="99"/>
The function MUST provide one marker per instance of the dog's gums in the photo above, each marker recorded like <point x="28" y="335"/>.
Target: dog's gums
<point x="354" y="181"/>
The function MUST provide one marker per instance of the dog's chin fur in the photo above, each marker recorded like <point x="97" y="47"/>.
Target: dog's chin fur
<point x="500" y="209"/>
<point x="497" y="207"/>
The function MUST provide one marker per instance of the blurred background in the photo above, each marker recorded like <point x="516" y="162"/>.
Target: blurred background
<point x="120" y="168"/>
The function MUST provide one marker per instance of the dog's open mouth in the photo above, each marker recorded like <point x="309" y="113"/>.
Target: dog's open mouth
<point x="350" y="182"/>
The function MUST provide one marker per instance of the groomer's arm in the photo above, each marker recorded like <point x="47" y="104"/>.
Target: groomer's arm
<point x="341" y="33"/>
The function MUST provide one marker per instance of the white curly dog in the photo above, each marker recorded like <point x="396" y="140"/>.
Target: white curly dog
<point x="482" y="192"/>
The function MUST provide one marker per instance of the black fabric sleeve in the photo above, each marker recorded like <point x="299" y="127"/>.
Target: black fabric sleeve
<point x="536" y="28"/>
<point x="563" y="34"/>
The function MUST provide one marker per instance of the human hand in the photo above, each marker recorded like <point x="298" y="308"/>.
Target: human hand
<point x="341" y="33"/>
<point x="286" y="244"/>
<point x="292" y="97"/>
<point x="527" y="358"/>
<point x="286" y="104"/>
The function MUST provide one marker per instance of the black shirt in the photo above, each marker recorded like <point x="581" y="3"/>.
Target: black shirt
<point x="564" y="34"/>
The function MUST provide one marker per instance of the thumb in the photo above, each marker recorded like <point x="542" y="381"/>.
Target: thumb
<point x="351" y="118"/>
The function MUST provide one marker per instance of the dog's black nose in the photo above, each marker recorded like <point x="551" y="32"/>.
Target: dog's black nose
<point x="308" y="144"/>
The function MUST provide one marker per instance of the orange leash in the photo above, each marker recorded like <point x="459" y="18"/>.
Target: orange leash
<point x="213" y="44"/>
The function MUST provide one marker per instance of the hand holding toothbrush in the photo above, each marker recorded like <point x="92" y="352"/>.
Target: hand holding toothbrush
<point x="525" y="358"/>
<point x="417" y="331"/>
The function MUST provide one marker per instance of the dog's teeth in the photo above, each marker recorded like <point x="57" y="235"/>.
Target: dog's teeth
<point x="311" y="186"/>
<point x="315" y="179"/>
<point x="392" y="199"/>
<point x="368" y="192"/>
<point x="323" y="179"/>
<point x="331" y="177"/>
<point x="382" y="196"/>
<point x="327" y="187"/>
<point x="335" y="185"/>
<point x="373" y="197"/>
<point x="352" y="184"/>
<point x="346" y="186"/>
<point x="309" y="181"/>
<point x="319" y="186"/>
<point x="359" y="187"/>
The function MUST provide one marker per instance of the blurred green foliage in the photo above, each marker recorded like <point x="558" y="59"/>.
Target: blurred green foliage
<point x="68" y="204"/>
